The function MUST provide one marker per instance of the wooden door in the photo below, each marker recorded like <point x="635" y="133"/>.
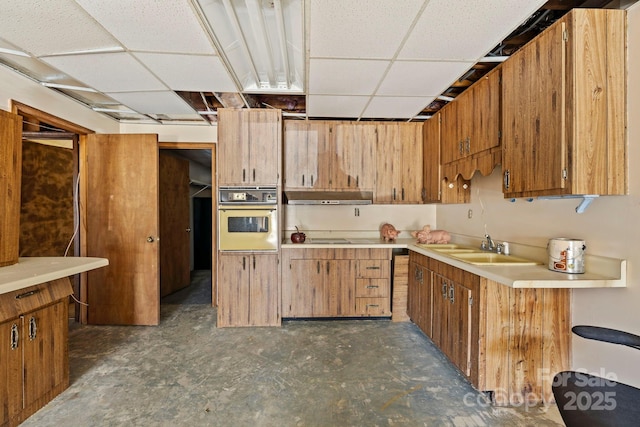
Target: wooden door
<point x="340" y="278"/>
<point x="459" y="327"/>
<point x="10" y="370"/>
<point x="354" y="145"/>
<point x="533" y="109"/>
<point x="410" y="140"/>
<point x="308" y="295"/>
<point x="485" y="119"/>
<point x="10" y="179"/>
<point x="263" y="293"/>
<point x="175" y="251"/>
<point x="450" y="134"/>
<point x="297" y="173"/>
<point x="121" y="185"/>
<point x="44" y="340"/>
<point x="431" y="172"/>
<point x="439" y="318"/>
<point x="233" y="147"/>
<point x="425" y="301"/>
<point x="265" y="136"/>
<point x="415" y="286"/>
<point x="233" y="289"/>
<point x="388" y="163"/>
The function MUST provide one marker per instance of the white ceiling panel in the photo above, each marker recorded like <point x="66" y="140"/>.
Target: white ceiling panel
<point x="335" y="106"/>
<point x="421" y="78"/>
<point x="465" y="29"/>
<point x="382" y="107"/>
<point x="108" y="72"/>
<point x="360" y="28"/>
<point x="345" y="76"/>
<point x="165" y="102"/>
<point x="189" y="72"/>
<point x="46" y="27"/>
<point x="158" y="26"/>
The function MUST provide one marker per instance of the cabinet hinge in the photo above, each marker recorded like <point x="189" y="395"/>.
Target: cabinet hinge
<point x="564" y="174"/>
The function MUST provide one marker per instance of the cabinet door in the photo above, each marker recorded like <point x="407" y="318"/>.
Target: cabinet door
<point x="354" y="145"/>
<point x="459" y="327"/>
<point x="263" y="294"/>
<point x="233" y="146"/>
<point x="534" y="147"/>
<point x="233" y="289"/>
<point x="321" y="154"/>
<point x="440" y="315"/>
<point x="309" y="297"/>
<point x="297" y="173"/>
<point x="265" y="135"/>
<point x="388" y="163"/>
<point x="10" y="179"/>
<point x="485" y="118"/>
<point x="425" y="301"/>
<point x="431" y="173"/>
<point x="340" y="282"/>
<point x="44" y="341"/>
<point x="11" y="340"/>
<point x="413" y="292"/>
<point x="450" y="133"/>
<point x="410" y="140"/>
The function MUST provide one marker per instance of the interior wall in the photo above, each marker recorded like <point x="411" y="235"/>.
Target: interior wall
<point x="609" y="226"/>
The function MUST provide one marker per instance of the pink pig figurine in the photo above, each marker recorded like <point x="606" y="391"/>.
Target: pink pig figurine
<point x="427" y="235"/>
<point x="388" y="232"/>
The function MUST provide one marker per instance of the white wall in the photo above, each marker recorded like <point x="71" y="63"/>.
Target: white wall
<point x="342" y="219"/>
<point x="610" y="227"/>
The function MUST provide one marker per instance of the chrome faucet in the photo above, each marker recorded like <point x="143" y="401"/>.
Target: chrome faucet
<point x="488" y="244"/>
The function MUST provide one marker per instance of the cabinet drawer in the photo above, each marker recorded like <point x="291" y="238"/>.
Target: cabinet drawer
<point x="372" y="306"/>
<point x="372" y="288"/>
<point x="375" y="268"/>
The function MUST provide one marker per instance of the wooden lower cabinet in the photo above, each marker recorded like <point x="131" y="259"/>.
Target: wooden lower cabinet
<point x="336" y="282"/>
<point x="508" y="342"/>
<point x="34" y="364"/>
<point x="248" y="290"/>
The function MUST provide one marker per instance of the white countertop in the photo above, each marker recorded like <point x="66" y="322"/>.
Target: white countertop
<point x="29" y="271"/>
<point x="601" y="272"/>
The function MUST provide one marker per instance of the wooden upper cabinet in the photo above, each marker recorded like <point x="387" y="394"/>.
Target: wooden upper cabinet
<point x="437" y="189"/>
<point x="10" y="181"/>
<point x="563" y="109"/>
<point x="399" y="163"/>
<point x="249" y="146"/>
<point x="354" y="147"/>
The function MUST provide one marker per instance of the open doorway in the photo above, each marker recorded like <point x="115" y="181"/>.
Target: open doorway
<point x="200" y="231"/>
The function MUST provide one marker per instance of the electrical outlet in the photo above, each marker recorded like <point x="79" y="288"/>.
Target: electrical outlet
<point x="470" y="214"/>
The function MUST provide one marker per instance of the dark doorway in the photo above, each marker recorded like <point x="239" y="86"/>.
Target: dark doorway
<point x="202" y="233"/>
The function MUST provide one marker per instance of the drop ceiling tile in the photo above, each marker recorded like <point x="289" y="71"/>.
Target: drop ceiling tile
<point x="359" y="28"/>
<point x="158" y="26"/>
<point x="189" y="72"/>
<point x="51" y="27"/>
<point x="410" y="78"/>
<point x="335" y="106"/>
<point x="345" y="76"/>
<point x="465" y="29"/>
<point x="107" y="72"/>
<point x="165" y="102"/>
<point x="386" y="107"/>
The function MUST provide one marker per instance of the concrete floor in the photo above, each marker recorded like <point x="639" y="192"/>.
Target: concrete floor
<point x="306" y="373"/>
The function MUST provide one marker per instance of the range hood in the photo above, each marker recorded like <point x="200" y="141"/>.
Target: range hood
<point x="328" y="197"/>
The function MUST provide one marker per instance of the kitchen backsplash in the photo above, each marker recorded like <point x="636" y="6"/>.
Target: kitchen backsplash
<point x="361" y="219"/>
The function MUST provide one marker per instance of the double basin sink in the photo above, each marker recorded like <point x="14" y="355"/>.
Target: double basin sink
<point x="477" y="256"/>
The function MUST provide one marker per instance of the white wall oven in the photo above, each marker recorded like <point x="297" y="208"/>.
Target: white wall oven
<point x="247" y="219"/>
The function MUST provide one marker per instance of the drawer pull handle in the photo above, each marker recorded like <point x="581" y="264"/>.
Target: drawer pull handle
<point x="27" y="294"/>
<point x="373" y="268"/>
<point x="372" y="286"/>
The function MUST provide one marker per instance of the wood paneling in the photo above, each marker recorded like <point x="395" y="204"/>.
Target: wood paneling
<point x="47" y="209"/>
<point x="10" y="179"/>
<point x="400" y="288"/>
